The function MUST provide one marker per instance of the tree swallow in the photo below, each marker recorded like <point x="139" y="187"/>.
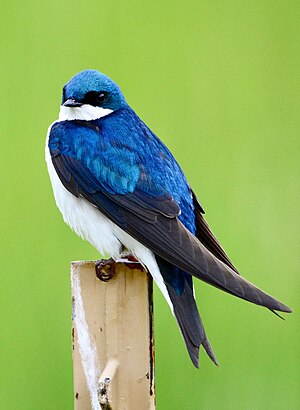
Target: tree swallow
<point x="119" y="187"/>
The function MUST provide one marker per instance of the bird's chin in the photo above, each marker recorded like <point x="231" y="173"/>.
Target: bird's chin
<point x="86" y="112"/>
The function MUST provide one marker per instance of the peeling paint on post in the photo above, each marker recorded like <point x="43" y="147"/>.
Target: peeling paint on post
<point x="112" y="339"/>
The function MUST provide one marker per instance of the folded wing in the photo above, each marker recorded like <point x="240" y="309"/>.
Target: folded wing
<point x="154" y="222"/>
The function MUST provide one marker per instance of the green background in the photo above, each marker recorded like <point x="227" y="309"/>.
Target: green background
<point x="218" y="81"/>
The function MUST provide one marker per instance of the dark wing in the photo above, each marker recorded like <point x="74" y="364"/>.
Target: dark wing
<point x="205" y="235"/>
<point x="152" y="220"/>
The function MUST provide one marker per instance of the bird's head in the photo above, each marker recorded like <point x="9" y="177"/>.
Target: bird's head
<point x="90" y="95"/>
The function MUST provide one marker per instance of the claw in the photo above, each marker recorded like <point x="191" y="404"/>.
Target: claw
<point x="105" y="269"/>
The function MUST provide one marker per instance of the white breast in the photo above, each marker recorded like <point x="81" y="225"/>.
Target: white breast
<point x="87" y="221"/>
<point x="90" y="224"/>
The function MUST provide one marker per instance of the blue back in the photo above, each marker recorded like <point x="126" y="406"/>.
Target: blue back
<point x="123" y="154"/>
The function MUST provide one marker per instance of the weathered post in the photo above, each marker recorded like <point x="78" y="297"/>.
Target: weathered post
<point x="112" y="339"/>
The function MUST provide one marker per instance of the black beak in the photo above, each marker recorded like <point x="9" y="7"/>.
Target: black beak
<point x="72" y="103"/>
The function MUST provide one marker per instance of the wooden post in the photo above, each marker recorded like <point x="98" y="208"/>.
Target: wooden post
<point x="112" y="339"/>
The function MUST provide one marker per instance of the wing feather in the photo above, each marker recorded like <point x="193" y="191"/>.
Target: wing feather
<point x="151" y="217"/>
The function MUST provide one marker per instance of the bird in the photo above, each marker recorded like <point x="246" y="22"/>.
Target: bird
<point x="119" y="187"/>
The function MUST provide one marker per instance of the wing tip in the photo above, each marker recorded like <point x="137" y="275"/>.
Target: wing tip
<point x="284" y="308"/>
<point x="279" y="306"/>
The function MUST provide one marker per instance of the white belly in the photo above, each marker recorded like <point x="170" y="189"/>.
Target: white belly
<point x="90" y="224"/>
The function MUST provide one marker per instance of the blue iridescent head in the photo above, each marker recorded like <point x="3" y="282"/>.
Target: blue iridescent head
<point x="93" y="88"/>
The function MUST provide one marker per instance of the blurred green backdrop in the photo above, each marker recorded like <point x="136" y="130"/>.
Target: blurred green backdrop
<point x="218" y="81"/>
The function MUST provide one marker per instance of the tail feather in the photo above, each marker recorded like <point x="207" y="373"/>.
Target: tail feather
<point x="180" y="289"/>
<point x="190" y="323"/>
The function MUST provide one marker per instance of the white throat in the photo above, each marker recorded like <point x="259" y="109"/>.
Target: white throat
<point x="86" y="112"/>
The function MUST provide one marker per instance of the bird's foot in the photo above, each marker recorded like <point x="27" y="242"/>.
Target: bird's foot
<point x="105" y="269"/>
<point x="131" y="262"/>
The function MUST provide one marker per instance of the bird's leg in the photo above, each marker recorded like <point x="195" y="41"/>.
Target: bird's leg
<point x="131" y="262"/>
<point x="105" y="269"/>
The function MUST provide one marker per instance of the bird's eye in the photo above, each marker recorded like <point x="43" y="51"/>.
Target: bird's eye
<point x="95" y="98"/>
<point x="101" y="97"/>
